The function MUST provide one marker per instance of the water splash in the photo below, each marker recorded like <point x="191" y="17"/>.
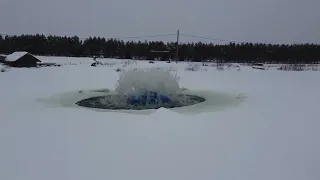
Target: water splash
<point x="148" y="86"/>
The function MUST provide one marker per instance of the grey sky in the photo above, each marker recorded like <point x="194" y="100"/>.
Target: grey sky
<point x="275" y="21"/>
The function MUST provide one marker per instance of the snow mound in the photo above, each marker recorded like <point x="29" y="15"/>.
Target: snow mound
<point x="195" y="67"/>
<point x="3" y="68"/>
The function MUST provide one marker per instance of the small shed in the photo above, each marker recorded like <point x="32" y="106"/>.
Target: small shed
<point x="21" y="59"/>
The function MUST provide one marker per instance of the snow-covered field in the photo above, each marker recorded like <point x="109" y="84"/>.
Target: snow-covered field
<point x="272" y="135"/>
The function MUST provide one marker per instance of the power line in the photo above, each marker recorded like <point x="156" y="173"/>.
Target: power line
<point x="136" y="37"/>
<point x="139" y="37"/>
<point x="120" y="37"/>
<point x="208" y="38"/>
<point x="221" y="40"/>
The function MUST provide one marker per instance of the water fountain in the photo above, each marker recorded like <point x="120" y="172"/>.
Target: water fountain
<point x="139" y="89"/>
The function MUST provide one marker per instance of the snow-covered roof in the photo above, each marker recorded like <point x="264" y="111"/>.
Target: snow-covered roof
<point x="15" y="56"/>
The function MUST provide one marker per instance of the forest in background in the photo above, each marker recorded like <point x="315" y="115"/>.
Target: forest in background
<point x="116" y="48"/>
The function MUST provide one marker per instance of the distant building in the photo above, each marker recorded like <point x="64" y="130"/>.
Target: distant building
<point x="21" y="59"/>
<point x="259" y="66"/>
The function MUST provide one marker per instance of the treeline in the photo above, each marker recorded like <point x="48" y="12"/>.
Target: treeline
<point x="115" y="48"/>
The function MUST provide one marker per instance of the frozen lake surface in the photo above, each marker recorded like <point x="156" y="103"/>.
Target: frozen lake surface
<point x="271" y="134"/>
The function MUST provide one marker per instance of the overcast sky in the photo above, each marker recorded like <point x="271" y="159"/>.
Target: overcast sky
<point x="275" y="21"/>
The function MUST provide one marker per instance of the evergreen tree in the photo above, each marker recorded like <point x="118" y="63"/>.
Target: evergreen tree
<point x="115" y="48"/>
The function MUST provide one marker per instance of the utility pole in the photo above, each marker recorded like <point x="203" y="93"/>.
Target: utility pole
<point x="177" y="50"/>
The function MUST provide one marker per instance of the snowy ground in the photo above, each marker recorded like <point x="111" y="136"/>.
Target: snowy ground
<point x="271" y="135"/>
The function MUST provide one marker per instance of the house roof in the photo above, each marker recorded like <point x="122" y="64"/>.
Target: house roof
<point x="15" y="56"/>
